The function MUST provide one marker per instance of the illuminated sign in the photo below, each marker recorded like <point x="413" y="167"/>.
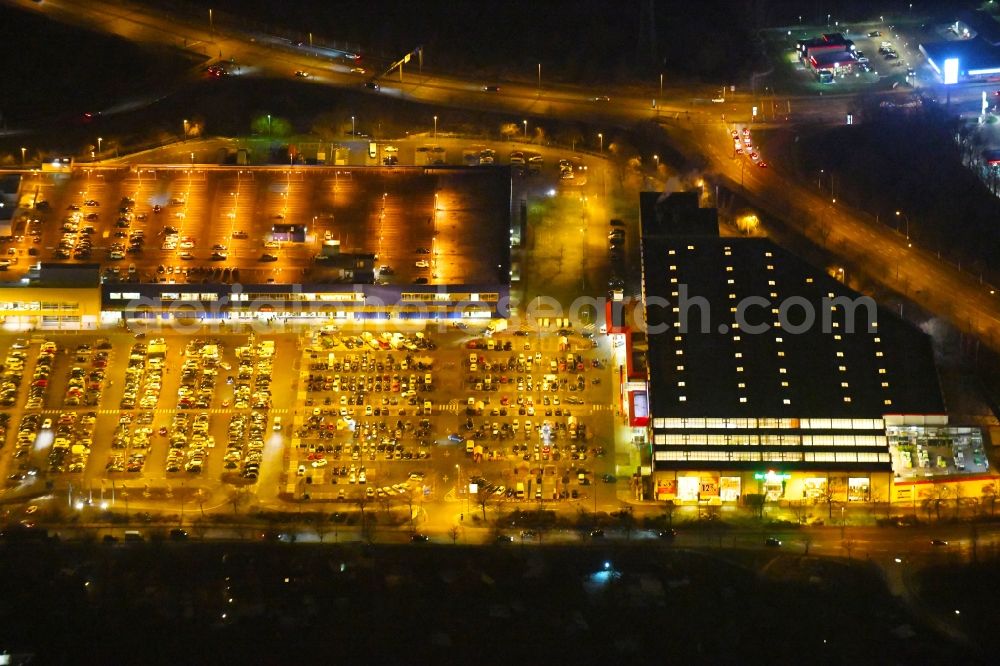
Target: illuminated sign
<point x="771" y="476"/>
<point x="951" y="70"/>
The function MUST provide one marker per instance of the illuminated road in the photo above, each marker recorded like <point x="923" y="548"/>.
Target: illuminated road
<point x="915" y="272"/>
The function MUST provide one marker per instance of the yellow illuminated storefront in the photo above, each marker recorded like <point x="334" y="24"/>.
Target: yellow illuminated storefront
<point x="729" y="487"/>
<point x="49" y="308"/>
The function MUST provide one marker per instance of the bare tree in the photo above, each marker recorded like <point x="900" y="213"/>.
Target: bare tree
<point x="626" y="521"/>
<point x="848" y="545"/>
<point x="483" y="496"/>
<point x="320" y="526"/>
<point x="828" y="495"/>
<point x="410" y="497"/>
<point x="668" y="509"/>
<point x="200" y="528"/>
<point x="990" y="496"/>
<point x="798" y="508"/>
<point x="240" y="498"/>
<point x="453" y="532"/>
<point x="362" y="502"/>
<point x="756" y="502"/>
<point x="939" y="495"/>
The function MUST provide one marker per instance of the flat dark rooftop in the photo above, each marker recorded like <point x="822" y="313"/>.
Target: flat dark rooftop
<point x="834" y="374"/>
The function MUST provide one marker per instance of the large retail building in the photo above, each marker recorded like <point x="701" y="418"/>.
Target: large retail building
<point x="765" y="375"/>
<point x="228" y="243"/>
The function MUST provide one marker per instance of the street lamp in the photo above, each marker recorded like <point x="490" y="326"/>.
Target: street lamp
<point x="656" y="158"/>
<point x="525" y="129"/>
<point x="23" y="151"/>
<point x="269" y="126"/>
<point x="661" y="85"/>
<point x="435" y="126"/>
<point x="907" y="220"/>
<point x="601" y="138"/>
<point x="539" y="77"/>
<point x="353" y="127"/>
<point x="99" y="140"/>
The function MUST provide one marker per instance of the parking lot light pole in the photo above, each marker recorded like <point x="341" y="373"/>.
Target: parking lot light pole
<point x="99" y="140"/>
<point x="525" y="129"/>
<point x="353" y="127"/>
<point x="23" y="152"/>
<point x="600" y="137"/>
<point x="435" y="126"/>
<point x="905" y="219"/>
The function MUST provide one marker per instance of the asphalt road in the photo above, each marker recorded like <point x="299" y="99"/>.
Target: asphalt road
<point x="930" y="283"/>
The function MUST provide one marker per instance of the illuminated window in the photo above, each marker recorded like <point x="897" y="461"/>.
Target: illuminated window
<point x="679" y="352"/>
<point x="730" y="281"/>
<point x="782" y="371"/>
<point x="741" y="385"/>
<point x="784" y="384"/>
<point x="878" y="354"/>
<point x="738" y="354"/>
<point x="842" y="368"/>
<point x="770" y="283"/>
<point x="881" y="371"/>
<point x="887" y="402"/>
<point x="739" y="368"/>
<point x="736" y="338"/>
<point x="781" y="354"/>
<point x="847" y="398"/>
<point x="840" y="354"/>
<point x="742" y="399"/>
<point x="779" y="339"/>
<point x="843" y="384"/>
<point x="682" y="398"/>
<point x="681" y="384"/>
<point x="787" y="401"/>
<point x="885" y="384"/>
<point x="680" y="368"/>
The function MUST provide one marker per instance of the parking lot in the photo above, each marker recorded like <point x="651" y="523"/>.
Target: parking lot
<point x="381" y="418"/>
<point x="225" y="224"/>
<point x="394" y="416"/>
<point x="154" y="412"/>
